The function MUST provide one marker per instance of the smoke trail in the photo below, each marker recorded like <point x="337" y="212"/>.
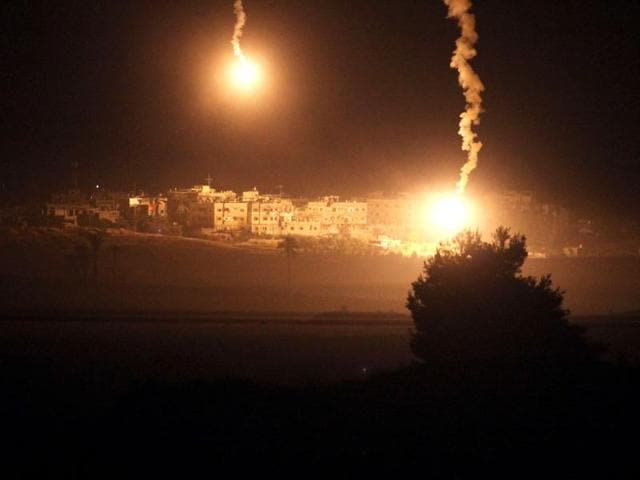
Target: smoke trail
<point x="470" y="83"/>
<point x="241" y="19"/>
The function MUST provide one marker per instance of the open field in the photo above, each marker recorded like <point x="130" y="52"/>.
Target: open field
<point x="150" y="273"/>
<point x="286" y="349"/>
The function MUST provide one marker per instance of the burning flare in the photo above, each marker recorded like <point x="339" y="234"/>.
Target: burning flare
<point x="448" y="214"/>
<point x="245" y="73"/>
<point x="470" y="83"/>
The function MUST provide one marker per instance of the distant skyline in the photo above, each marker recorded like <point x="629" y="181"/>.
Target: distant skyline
<point x="361" y="97"/>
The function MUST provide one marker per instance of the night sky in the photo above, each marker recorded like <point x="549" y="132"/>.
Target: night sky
<point x="361" y="97"/>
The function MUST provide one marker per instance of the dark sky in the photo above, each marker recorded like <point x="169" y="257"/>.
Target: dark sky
<point x="361" y="96"/>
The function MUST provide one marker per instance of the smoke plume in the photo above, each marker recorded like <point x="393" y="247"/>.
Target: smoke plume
<point x="241" y="19"/>
<point x="470" y="83"/>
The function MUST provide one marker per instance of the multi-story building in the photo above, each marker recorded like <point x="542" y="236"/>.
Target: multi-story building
<point x="350" y="212"/>
<point x="302" y="226"/>
<point x="232" y="215"/>
<point x="330" y="211"/>
<point x="194" y="207"/>
<point x="390" y="211"/>
<point x="327" y="216"/>
<point x="268" y="215"/>
<point x="400" y="216"/>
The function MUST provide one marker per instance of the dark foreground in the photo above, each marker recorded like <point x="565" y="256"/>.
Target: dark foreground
<point x="98" y="400"/>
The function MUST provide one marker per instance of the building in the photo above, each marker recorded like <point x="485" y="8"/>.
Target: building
<point x="391" y="211"/>
<point x="350" y="212"/>
<point x="268" y="215"/>
<point x="73" y="209"/>
<point x="150" y="206"/>
<point x="194" y="207"/>
<point x="334" y="214"/>
<point x="304" y="227"/>
<point x="398" y="217"/>
<point x="251" y="195"/>
<point x="66" y="208"/>
<point x="230" y="216"/>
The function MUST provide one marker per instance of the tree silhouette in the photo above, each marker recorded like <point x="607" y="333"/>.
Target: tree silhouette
<point x="95" y="238"/>
<point x="289" y="246"/>
<point x="472" y="302"/>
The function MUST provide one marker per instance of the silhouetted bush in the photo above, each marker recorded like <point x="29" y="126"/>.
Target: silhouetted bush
<point x="473" y="303"/>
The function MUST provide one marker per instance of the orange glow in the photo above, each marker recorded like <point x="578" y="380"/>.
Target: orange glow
<point x="448" y="214"/>
<point x="245" y="74"/>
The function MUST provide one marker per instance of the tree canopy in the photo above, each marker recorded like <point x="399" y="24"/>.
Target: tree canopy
<point x="472" y="302"/>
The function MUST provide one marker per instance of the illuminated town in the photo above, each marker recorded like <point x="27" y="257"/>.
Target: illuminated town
<point x="405" y="223"/>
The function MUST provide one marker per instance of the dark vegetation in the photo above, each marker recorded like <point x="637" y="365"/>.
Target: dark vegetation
<point x="503" y="385"/>
<point x="474" y="304"/>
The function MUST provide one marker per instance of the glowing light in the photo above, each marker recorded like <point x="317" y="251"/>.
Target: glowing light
<point x="448" y="214"/>
<point x="246" y="74"/>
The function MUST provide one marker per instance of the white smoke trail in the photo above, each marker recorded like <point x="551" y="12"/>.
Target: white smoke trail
<point x="470" y="83"/>
<point x="241" y="19"/>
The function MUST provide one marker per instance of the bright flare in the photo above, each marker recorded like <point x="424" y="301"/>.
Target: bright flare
<point x="448" y="215"/>
<point x="245" y="74"/>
